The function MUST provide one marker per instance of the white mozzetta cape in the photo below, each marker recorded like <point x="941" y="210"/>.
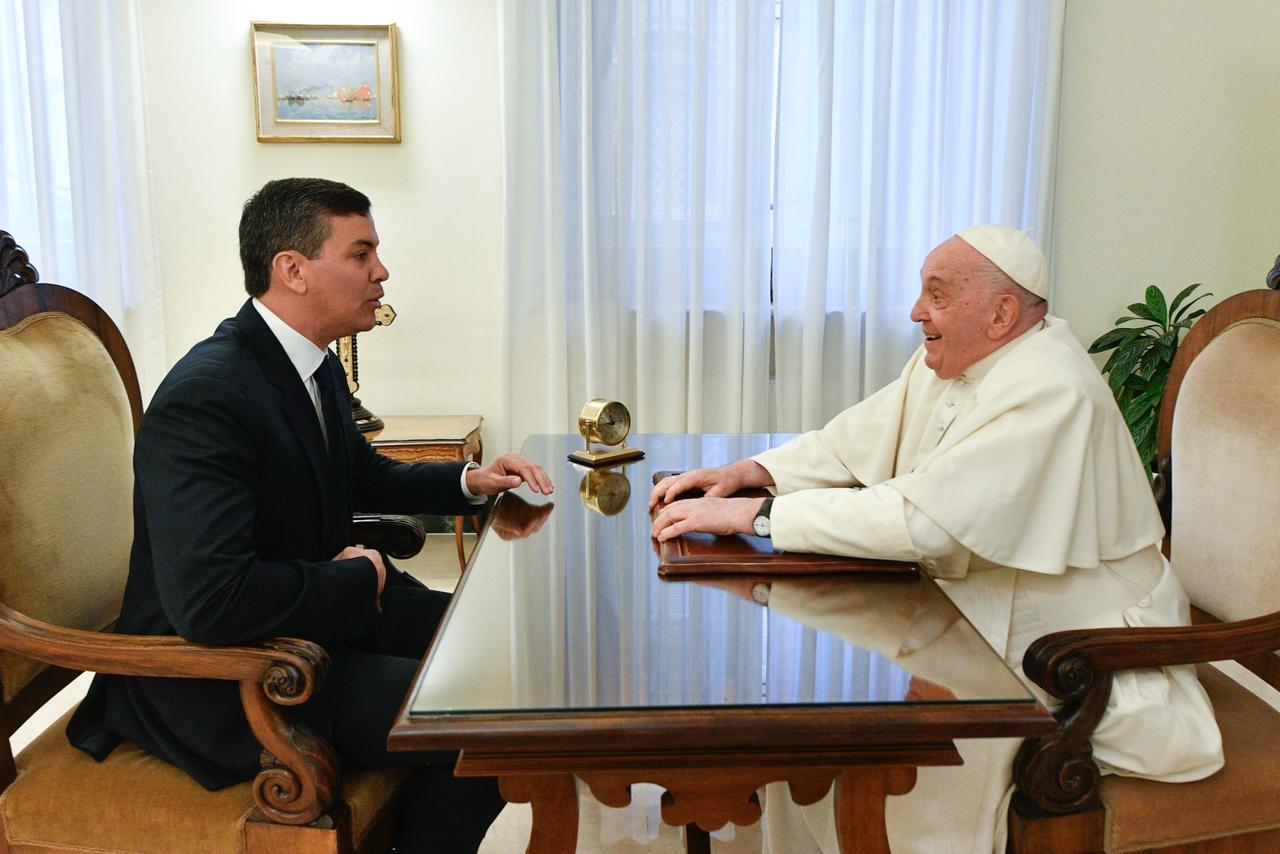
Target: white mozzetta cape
<point x="1038" y="472"/>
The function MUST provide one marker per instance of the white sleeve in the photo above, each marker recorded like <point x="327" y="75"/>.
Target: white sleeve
<point x="875" y="522"/>
<point x="474" y="499"/>
<point x="939" y="552"/>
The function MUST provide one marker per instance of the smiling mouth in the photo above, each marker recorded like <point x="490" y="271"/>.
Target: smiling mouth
<point x="932" y="337"/>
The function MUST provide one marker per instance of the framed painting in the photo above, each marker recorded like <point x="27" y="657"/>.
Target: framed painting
<point x="325" y="82"/>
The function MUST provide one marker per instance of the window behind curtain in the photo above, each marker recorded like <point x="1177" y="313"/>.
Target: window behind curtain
<point x="718" y="210"/>
<point x="73" y="148"/>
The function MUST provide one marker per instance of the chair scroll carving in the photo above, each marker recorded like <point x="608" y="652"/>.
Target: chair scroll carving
<point x="300" y="771"/>
<point x="1057" y="773"/>
<point x="397" y="536"/>
<point x="15" y="266"/>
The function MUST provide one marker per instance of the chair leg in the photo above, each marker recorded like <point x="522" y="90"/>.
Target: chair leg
<point x="266" y="837"/>
<point x="1032" y="831"/>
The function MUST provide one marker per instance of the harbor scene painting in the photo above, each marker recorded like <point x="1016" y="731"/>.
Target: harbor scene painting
<point x="326" y="81"/>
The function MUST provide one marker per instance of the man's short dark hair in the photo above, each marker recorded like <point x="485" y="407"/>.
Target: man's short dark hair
<point x="291" y="213"/>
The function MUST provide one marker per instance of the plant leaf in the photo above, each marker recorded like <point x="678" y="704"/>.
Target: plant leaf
<point x="1114" y="338"/>
<point x="1126" y="359"/>
<point x="1177" y="301"/>
<point x="1188" y="321"/>
<point x="1143" y="429"/>
<point x="1142" y="311"/>
<point x="1193" y="302"/>
<point x="1157" y="305"/>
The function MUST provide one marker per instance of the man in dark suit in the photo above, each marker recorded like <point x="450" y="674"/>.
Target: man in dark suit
<point x="248" y="466"/>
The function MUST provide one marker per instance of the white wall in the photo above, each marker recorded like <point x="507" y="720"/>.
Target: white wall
<point x="1168" y="171"/>
<point x="436" y="195"/>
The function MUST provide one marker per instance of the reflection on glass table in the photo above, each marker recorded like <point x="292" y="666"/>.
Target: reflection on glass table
<point x="565" y="655"/>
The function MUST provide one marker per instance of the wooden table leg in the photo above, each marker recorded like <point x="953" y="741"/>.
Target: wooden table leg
<point x="554" y="800"/>
<point x="696" y="840"/>
<point x="860" y="794"/>
<point x="457" y="540"/>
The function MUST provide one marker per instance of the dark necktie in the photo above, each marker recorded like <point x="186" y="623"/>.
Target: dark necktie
<point x="328" y="404"/>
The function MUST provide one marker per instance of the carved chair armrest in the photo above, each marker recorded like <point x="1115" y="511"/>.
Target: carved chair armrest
<point x="299" y="774"/>
<point x="1070" y="664"/>
<point x="398" y="536"/>
<point x="1057" y="773"/>
<point x="147" y="655"/>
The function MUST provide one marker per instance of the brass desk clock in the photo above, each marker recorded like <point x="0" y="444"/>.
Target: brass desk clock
<point x="349" y="356"/>
<point x="607" y="422"/>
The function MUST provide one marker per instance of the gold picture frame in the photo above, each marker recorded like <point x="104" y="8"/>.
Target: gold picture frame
<point x="325" y="82"/>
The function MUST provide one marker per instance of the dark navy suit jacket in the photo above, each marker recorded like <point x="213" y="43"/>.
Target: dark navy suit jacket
<point x="238" y="509"/>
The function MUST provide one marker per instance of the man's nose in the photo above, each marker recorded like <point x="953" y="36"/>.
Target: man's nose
<point x="917" y="311"/>
<point x="380" y="273"/>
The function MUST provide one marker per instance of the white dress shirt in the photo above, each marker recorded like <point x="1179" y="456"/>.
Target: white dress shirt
<point x="306" y="359"/>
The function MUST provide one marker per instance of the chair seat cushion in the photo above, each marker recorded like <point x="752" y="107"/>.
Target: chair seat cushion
<point x="1243" y="797"/>
<point x="137" y="803"/>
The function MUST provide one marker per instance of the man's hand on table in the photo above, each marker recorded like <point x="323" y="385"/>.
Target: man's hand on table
<point x="376" y="557"/>
<point x="507" y="472"/>
<point x="715" y="513"/>
<point x="707" y="515"/>
<point x="714" y="483"/>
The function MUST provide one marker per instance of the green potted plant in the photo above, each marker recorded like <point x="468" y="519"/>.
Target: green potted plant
<point x="1136" y="371"/>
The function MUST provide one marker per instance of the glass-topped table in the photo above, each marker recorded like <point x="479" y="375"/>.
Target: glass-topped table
<point x="564" y="654"/>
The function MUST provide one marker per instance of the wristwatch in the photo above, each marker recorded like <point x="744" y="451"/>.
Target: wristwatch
<point x="761" y="523"/>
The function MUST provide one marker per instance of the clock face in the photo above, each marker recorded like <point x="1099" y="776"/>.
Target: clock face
<point x="604" y="421"/>
<point x="613" y="424"/>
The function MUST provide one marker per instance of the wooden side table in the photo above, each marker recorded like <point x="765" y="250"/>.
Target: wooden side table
<point x="432" y="438"/>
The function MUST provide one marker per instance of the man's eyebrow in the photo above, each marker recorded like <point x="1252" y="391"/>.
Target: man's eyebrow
<point x="363" y="243"/>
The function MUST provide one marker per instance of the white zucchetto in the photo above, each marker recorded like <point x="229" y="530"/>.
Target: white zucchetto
<point x="1014" y="253"/>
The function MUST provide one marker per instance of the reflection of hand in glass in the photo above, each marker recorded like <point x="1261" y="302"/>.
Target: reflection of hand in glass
<point x="514" y="518"/>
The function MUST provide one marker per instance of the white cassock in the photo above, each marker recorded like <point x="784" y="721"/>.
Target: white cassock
<point x="1017" y="486"/>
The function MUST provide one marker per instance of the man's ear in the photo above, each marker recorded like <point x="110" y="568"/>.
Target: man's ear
<point x="1004" y="316"/>
<point x="287" y="268"/>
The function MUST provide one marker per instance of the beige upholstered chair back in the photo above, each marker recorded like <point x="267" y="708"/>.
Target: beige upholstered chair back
<point x="67" y="419"/>
<point x="1225" y="526"/>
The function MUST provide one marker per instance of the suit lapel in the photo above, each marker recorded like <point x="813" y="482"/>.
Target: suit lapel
<point x="298" y="409"/>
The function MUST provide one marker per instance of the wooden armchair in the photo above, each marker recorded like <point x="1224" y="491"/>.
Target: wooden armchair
<point x="1218" y="484"/>
<point x="69" y="409"/>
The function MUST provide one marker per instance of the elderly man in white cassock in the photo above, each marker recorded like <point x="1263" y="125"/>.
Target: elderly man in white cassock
<point x="999" y="461"/>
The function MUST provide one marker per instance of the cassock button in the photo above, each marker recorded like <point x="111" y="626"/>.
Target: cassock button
<point x="760" y="593"/>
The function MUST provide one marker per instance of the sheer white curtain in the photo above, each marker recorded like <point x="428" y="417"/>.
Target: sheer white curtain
<point x="640" y="176"/>
<point x="899" y="123"/>
<point x="73" y="147"/>
<point x="637" y="211"/>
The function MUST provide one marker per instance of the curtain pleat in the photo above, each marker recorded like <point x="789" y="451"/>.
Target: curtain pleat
<point x="74" y="150"/>
<point x="637" y="212"/>
<point x="899" y="124"/>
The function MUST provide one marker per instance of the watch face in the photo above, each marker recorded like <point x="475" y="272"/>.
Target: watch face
<point x="613" y="424"/>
